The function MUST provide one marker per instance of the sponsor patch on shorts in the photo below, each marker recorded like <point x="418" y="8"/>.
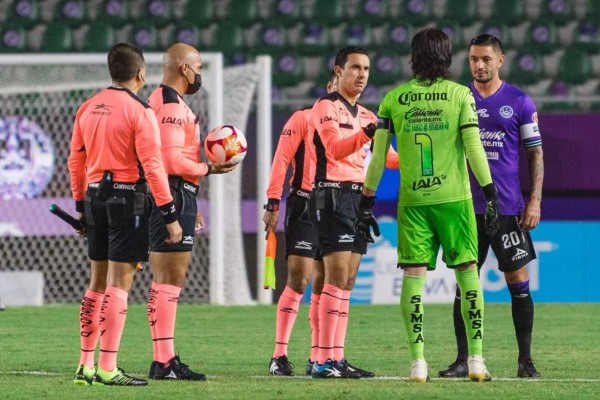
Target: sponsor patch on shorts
<point x="346" y="239"/>
<point x="303" y="245"/>
<point x="520" y="253"/>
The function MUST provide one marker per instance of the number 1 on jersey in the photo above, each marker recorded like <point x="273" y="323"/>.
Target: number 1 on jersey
<point x="424" y="141"/>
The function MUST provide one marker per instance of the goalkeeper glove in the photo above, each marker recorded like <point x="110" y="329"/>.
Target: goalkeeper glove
<point x="492" y="210"/>
<point x="365" y="219"/>
<point x="370" y="130"/>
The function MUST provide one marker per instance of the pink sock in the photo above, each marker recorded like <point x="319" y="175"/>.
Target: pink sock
<point x="112" y="322"/>
<point x="329" y="306"/>
<point x="166" y="312"/>
<point x="89" y="326"/>
<point x="313" y="317"/>
<point x="341" y="327"/>
<point x="151" y="311"/>
<point x="287" y="310"/>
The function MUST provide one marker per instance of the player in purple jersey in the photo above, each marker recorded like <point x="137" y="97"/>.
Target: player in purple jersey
<point x="507" y="120"/>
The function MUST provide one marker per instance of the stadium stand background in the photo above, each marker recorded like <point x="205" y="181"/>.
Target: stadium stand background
<point x="553" y="46"/>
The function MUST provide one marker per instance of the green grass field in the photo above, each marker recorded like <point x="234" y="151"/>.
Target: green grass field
<point x="39" y="350"/>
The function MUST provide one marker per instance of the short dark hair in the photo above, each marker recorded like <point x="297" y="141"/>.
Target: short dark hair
<point x="486" y="39"/>
<point x="342" y="56"/>
<point x="431" y="55"/>
<point x="124" y="62"/>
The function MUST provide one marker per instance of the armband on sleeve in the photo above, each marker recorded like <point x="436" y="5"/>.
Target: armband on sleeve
<point x="385" y="123"/>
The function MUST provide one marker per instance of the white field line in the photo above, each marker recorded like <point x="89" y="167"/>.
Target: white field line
<point x="30" y="373"/>
<point x="405" y="378"/>
<point x="382" y="378"/>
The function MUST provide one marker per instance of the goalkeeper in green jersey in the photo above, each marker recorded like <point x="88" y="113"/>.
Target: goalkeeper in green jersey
<point x="435" y="124"/>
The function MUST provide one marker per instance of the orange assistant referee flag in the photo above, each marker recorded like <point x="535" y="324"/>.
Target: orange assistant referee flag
<point x="270" y="250"/>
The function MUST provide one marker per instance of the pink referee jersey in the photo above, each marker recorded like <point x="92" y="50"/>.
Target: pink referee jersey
<point x="295" y="147"/>
<point x="340" y="138"/>
<point x="116" y="131"/>
<point x="179" y="134"/>
<point x="391" y="161"/>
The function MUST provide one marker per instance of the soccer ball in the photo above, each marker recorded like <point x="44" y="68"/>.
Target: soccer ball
<point x="225" y="143"/>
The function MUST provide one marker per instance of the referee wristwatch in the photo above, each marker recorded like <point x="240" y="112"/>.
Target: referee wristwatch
<point x="272" y="205"/>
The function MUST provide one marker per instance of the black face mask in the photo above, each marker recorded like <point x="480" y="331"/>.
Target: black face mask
<point x="194" y="87"/>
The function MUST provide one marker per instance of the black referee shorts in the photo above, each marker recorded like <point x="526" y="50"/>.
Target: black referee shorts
<point x="337" y="209"/>
<point x="184" y="197"/>
<point x="301" y="234"/>
<point x="117" y="229"/>
<point x="513" y="247"/>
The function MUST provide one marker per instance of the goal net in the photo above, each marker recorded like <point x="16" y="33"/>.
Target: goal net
<point x="39" y="98"/>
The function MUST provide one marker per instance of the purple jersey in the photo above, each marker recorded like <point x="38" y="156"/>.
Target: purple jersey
<point x="507" y="119"/>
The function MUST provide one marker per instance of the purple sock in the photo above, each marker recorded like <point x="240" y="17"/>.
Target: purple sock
<point x="519" y="287"/>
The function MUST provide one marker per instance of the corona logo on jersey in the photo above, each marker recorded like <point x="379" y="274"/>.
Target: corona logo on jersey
<point x="26" y="158"/>
<point x="225" y="143"/>
<point x="407" y="98"/>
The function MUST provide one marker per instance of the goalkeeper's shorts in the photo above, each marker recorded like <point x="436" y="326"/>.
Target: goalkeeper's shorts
<point x="301" y="234"/>
<point x="423" y="229"/>
<point x="513" y="247"/>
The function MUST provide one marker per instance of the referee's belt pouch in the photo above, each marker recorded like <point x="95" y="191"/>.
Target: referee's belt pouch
<point x="320" y="199"/>
<point x="119" y="212"/>
<point x="140" y="204"/>
<point x="105" y="187"/>
<point x="87" y="209"/>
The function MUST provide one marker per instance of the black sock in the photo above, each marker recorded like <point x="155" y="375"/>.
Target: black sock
<point x="522" y="314"/>
<point x="462" y="346"/>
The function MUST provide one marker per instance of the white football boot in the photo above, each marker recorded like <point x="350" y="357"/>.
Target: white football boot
<point x="418" y="371"/>
<point x="477" y="370"/>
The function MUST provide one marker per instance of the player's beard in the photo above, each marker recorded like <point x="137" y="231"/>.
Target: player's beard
<point x="486" y="79"/>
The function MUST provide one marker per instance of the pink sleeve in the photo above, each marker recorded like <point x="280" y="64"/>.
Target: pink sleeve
<point x="326" y="122"/>
<point x="77" y="160"/>
<point x="289" y="141"/>
<point x="147" y="146"/>
<point x="392" y="161"/>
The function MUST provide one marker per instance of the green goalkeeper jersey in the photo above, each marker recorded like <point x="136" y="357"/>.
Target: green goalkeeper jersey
<point x="435" y="127"/>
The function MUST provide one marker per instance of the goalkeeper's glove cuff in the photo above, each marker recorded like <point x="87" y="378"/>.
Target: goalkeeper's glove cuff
<point x="366" y="202"/>
<point x="370" y="130"/>
<point x="490" y="192"/>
